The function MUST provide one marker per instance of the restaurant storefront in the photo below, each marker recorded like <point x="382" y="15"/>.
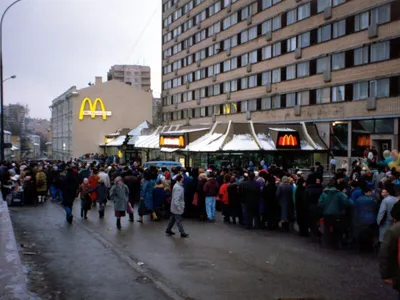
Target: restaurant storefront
<point x="236" y="144"/>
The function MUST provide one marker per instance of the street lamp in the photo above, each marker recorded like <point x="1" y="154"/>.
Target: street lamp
<point x="1" y="81"/>
<point x="11" y="77"/>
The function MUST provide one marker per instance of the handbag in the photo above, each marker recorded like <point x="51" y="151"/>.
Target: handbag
<point x="195" y="199"/>
<point x="129" y="208"/>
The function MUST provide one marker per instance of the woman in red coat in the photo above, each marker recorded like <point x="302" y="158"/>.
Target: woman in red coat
<point x="93" y="182"/>
<point x="224" y="198"/>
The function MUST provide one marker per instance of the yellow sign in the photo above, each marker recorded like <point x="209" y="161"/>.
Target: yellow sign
<point x="172" y="141"/>
<point x="92" y="112"/>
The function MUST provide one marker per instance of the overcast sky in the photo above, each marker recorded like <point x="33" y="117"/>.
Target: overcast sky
<point x="51" y="45"/>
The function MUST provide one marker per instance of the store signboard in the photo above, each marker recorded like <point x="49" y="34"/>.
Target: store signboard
<point x="92" y="111"/>
<point x="172" y="141"/>
<point x="288" y="140"/>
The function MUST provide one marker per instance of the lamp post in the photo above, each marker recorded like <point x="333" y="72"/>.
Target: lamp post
<point x="1" y="81"/>
<point x="11" y="77"/>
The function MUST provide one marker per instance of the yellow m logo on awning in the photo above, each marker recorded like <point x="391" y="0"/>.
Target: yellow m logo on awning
<point x="92" y="112"/>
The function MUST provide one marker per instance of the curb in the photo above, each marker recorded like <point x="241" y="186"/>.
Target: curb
<point x="133" y="264"/>
<point x="12" y="276"/>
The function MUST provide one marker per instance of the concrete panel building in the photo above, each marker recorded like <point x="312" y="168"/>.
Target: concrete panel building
<point x="82" y="118"/>
<point x="134" y="75"/>
<point x="333" y="63"/>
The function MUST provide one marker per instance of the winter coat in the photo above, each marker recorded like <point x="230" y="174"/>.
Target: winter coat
<point x="234" y="199"/>
<point x="384" y="218"/>
<point x="333" y="202"/>
<point x="211" y="188"/>
<point x="119" y="193"/>
<point x="146" y="193"/>
<point x="364" y="210"/>
<point x="41" y="182"/>
<point x="105" y="178"/>
<point x="355" y="194"/>
<point x="312" y="194"/>
<point x="223" y="194"/>
<point x="158" y="195"/>
<point x="178" y="199"/>
<point x="201" y="196"/>
<point x="133" y="184"/>
<point x="389" y="256"/>
<point x="251" y="195"/>
<point x="93" y="181"/>
<point x="102" y="193"/>
<point x="69" y="188"/>
<point x="84" y="173"/>
<point x="284" y="194"/>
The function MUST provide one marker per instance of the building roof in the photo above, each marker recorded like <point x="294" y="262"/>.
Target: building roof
<point x="117" y="142"/>
<point x="138" y="130"/>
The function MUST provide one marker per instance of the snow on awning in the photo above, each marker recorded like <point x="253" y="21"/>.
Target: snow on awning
<point x="117" y="142"/>
<point x="169" y="150"/>
<point x="138" y="130"/>
<point x="203" y="144"/>
<point x="14" y="148"/>
<point x="148" y="141"/>
<point x="241" y="142"/>
<point x="266" y="142"/>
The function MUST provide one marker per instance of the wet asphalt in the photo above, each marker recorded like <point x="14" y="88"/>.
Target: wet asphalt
<point x="91" y="259"/>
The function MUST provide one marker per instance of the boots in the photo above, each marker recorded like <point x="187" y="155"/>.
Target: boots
<point x="119" y="223"/>
<point x="130" y="217"/>
<point x="154" y="216"/>
<point x="101" y="214"/>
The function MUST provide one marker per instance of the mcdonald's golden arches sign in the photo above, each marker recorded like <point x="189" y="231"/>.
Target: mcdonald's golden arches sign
<point x="90" y="108"/>
<point x="288" y="140"/>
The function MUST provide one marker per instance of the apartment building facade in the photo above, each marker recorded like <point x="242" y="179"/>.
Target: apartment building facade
<point x="332" y="63"/>
<point x="134" y="75"/>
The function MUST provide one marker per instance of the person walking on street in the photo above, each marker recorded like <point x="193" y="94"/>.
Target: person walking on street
<point x="211" y="189"/>
<point x="389" y="254"/>
<point x="284" y="194"/>
<point x="86" y="202"/>
<point x="102" y="195"/>
<point x="120" y="195"/>
<point x="251" y="200"/>
<point x="69" y="188"/>
<point x="384" y="218"/>
<point x="177" y="208"/>
<point x="41" y="185"/>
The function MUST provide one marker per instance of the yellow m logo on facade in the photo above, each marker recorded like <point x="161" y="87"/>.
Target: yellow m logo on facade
<point x="92" y="112"/>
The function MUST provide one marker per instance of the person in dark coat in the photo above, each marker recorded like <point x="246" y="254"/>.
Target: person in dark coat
<point x="284" y="194"/>
<point x="234" y="202"/>
<point x="132" y="181"/>
<point x="301" y="207"/>
<point x="201" y="197"/>
<point x="69" y="187"/>
<point x="102" y="194"/>
<point x="271" y="206"/>
<point x="158" y="197"/>
<point x="30" y="194"/>
<point x="251" y="198"/>
<point x="311" y="195"/>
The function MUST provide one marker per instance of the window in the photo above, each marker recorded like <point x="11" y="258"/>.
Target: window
<point x="380" y="14"/>
<point x="290" y="100"/>
<point x="323" y="95"/>
<point x="234" y="41"/>
<point x="217" y="89"/>
<point x="303" y="98"/>
<point x="324" y="33"/>
<point x="277" y="22"/>
<point x="361" y="21"/>
<point x="338" y="61"/>
<point x="244" y="37"/>
<point x="291" y="44"/>
<point x="303" y="69"/>
<point x="203" y="112"/>
<point x="304" y="40"/>
<point x="304" y="11"/>
<point x="227" y="109"/>
<point x="227" y="65"/>
<point x="243" y="83"/>
<point x="266" y="27"/>
<point x="323" y="64"/>
<point x="233" y="108"/>
<point x="361" y="56"/>
<point x="276" y="102"/>
<point x="338" y="93"/>
<point x="252" y="81"/>
<point x="291" y="16"/>
<point x="276" y="75"/>
<point x="243" y="106"/>
<point x="291" y="72"/>
<point x="322" y="4"/>
<point x="227" y="86"/>
<point x="245" y="13"/>
<point x="253" y="33"/>
<point x="234" y="64"/>
<point x="210" y="71"/>
<point x="380" y="51"/>
<point x="253" y="57"/>
<point x="266" y="52"/>
<point x="234" y="87"/>
<point x="217" y="110"/>
<point x="217" y="69"/>
<point x="266" y="78"/>
<point x="226" y="23"/>
<point x="244" y="60"/>
<point x="339" y="29"/>
<point x="276" y="49"/>
<point x="266" y="103"/>
<point x="266" y="3"/>
<point x="379" y="88"/>
<point x="252" y="105"/>
<point x="360" y="90"/>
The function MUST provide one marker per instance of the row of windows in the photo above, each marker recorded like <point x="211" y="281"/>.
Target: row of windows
<point x="381" y="88"/>
<point x="180" y="11"/>
<point x="319" y="35"/>
<point x="281" y="20"/>
<point x="336" y="61"/>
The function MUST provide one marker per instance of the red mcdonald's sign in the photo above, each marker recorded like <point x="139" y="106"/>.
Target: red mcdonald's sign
<point x="288" y="140"/>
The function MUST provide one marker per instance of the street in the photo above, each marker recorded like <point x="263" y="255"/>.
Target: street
<point x="90" y="259"/>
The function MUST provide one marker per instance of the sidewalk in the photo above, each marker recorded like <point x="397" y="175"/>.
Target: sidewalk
<point x="220" y="261"/>
<point x="12" y="277"/>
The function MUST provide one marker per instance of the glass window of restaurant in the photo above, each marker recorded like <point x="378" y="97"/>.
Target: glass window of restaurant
<point x="362" y="130"/>
<point x="339" y="138"/>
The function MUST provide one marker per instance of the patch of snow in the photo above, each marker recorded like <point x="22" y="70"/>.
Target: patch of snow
<point x="282" y="129"/>
<point x="241" y="142"/>
<point x="186" y="130"/>
<point x="305" y="145"/>
<point x="117" y="141"/>
<point x="138" y="130"/>
<point x="148" y="141"/>
<point x="203" y="144"/>
<point x="266" y="142"/>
